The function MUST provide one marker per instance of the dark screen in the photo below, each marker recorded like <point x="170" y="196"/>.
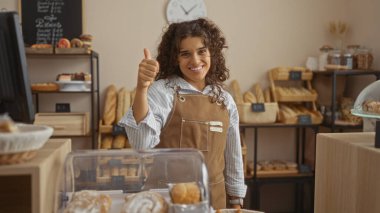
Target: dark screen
<point x="15" y="91"/>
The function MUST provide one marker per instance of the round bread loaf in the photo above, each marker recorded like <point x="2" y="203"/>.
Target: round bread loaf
<point x="185" y="193"/>
<point x="145" y="201"/>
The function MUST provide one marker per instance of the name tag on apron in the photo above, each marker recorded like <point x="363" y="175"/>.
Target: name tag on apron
<point x="216" y="129"/>
<point x="216" y="123"/>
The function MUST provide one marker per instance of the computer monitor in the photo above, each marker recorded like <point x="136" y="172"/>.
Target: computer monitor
<point x="15" y="91"/>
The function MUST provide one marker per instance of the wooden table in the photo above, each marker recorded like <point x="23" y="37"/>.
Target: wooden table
<point x="347" y="173"/>
<point x="32" y="186"/>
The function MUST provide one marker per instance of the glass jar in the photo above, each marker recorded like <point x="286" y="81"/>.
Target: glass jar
<point x="364" y="58"/>
<point x="322" y="59"/>
<point x="348" y="60"/>
<point x="335" y="57"/>
<point x="352" y="49"/>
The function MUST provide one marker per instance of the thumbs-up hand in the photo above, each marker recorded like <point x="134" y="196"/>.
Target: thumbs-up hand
<point x="148" y="69"/>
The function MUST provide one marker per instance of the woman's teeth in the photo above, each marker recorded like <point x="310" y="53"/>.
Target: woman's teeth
<point x="196" y="68"/>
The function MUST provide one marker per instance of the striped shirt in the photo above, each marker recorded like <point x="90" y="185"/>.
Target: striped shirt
<point x="146" y="134"/>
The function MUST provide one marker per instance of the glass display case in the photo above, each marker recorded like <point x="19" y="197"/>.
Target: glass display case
<point x="119" y="177"/>
<point x="367" y="105"/>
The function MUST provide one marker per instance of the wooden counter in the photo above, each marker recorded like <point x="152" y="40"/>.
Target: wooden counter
<point x="347" y="175"/>
<point x="32" y="186"/>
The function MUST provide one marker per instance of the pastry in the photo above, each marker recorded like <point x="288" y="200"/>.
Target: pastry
<point x="87" y="40"/>
<point x="41" y="46"/>
<point x="45" y="87"/>
<point x="371" y="106"/>
<point x="185" y="193"/>
<point x="109" y="114"/>
<point x="76" y="43"/>
<point x="7" y="125"/>
<point x="259" y="93"/>
<point x="89" y="201"/>
<point x="63" y="43"/>
<point x="145" y="201"/>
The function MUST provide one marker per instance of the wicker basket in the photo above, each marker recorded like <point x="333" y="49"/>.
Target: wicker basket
<point x="246" y="115"/>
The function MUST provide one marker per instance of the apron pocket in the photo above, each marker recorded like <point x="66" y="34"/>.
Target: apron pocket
<point x="194" y="134"/>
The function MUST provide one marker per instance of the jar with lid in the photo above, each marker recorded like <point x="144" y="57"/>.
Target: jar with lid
<point x="348" y="60"/>
<point x="352" y="49"/>
<point x="364" y="58"/>
<point x="322" y="60"/>
<point x="335" y="57"/>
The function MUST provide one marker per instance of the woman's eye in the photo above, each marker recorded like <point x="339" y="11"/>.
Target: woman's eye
<point x="202" y="52"/>
<point x="184" y="55"/>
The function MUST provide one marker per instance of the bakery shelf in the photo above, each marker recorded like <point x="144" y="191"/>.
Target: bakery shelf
<point x="333" y="126"/>
<point x="257" y="180"/>
<point x="93" y="60"/>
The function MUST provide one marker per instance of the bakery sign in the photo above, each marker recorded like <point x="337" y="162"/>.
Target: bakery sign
<point x="46" y="21"/>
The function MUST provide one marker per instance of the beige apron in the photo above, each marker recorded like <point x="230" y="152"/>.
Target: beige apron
<point x="195" y="122"/>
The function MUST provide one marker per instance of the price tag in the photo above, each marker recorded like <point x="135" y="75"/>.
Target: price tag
<point x="118" y="130"/>
<point x="117" y="180"/>
<point x="304" y="119"/>
<point x="258" y="107"/>
<point x="295" y="75"/>
<point x="114" y="162"/>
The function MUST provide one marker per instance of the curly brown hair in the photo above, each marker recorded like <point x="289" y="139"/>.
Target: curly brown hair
<point x="212" y="38"/>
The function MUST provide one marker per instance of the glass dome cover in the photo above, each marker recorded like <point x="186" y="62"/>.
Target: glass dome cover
<point x="370" y="93"/>
<point x="119" y="173"/>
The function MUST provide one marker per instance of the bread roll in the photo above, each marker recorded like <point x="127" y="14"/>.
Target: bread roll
<point x="236" y="92"/>
<point x="249" y="97"/>
<point x="185" y="193"/>
<point x="145" y="201"/>
<point x="89" y="201"/>
<point x="259" y="93"/>
<point x="120" y="104"/>
<point x="109" y="114"/>
<point x="118" y="142"/>
<point x="107" y="142"/>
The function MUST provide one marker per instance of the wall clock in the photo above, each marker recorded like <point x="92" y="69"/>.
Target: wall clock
<point x="185" y="10"/>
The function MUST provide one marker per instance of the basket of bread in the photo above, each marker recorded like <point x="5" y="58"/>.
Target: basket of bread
<point x="159" y="180"/>
<point x="20" y="142"/>
<point x="255" y="105"/>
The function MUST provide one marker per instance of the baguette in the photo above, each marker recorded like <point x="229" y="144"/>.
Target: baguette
<point x="127" y="101"/>
<point x="249" y="97"/>
<point x="267" y="96"/>
<point x="106" y="142"/>
<point x="120" y="104"/>
<point x="236" y="92"/>
<point x="118" y="142"/>
<point x="109" y="114"/>
<point x="259" y="93"/>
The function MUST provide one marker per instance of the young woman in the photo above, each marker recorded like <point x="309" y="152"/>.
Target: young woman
<point x="180" y="103"/>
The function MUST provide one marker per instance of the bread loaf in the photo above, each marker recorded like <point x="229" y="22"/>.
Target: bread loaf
<point x="107" y="142"/>
<point x="127" y="101"/>
<point x="236" y="92"/>
<point x="118" y="142"/>
<point x="109" y="114"/>
<point x="185" y="193"/>
<point x="259" y="93"/>
<point x="120" y="104"/>
<point x="133" y="93"/>
<point x="249" y="97"/>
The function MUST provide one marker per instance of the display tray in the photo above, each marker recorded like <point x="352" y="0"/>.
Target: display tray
<point x="72" y="51"/>
<point x="30" y="50"/>
<point x="74" y="86"/>
<point x="361" y="113"/>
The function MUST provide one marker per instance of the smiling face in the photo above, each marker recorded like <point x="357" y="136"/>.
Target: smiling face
<point x="194" y="61"/>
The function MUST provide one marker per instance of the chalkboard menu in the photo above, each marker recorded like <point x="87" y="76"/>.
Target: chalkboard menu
<point x="46" y="21"/>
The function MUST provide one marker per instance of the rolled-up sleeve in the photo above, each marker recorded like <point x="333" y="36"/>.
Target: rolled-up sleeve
<point x="234" y="171"/>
